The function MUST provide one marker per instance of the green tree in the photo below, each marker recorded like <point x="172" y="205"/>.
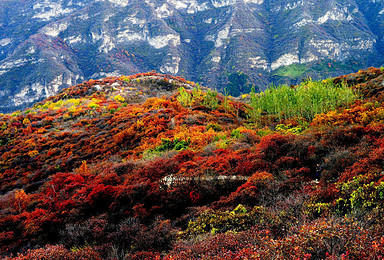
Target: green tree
<point x="237" y="84"/>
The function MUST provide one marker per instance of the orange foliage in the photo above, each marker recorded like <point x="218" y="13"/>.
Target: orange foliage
<point x="360" y="114"/>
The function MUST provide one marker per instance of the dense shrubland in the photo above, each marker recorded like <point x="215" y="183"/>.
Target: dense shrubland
<point x="93" y="174"/>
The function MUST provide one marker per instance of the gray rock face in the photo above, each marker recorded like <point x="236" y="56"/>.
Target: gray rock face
<point x="47" y="45"/>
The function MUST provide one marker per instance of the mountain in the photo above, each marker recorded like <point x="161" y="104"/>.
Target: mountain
<point x="47" y="45"/>
<point x="152" y="166"/>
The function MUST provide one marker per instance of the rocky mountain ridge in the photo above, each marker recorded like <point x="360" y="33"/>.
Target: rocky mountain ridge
<point x="45" y="45"/>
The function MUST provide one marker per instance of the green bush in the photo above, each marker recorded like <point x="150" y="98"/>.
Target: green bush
<point x="198" y="97"/>
<point x="342" y="206"/>
<point x="237" y="220"/>
<point x="289" y="129"/>
<point x="215" y="127"/>
<point x="220" y="221"/>
<point x="316" y="210"/>
<point x="167" y="145"/>
<point x="184" y="98"/>
<point x="210" y="100"/>
<point x="358" y="193"/>
<point x="368" y="196"/>
<point x="237" y="134"/>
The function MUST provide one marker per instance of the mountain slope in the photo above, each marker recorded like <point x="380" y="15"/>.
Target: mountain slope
<point x="154" y="167"/>
<point x="45" y="46"/>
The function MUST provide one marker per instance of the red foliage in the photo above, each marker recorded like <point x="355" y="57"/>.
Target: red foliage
<point x="272" y="146"/>
<point x="60" y="253"/>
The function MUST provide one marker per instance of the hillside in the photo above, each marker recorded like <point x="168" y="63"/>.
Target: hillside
<point x="48" y="45"/>
<point x="152" y="166"/>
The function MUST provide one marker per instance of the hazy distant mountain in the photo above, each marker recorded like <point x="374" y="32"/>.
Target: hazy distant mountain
<point x="47" y="45"/>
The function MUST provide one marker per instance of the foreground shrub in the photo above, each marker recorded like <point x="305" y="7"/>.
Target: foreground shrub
<point x="319" y="239"/>
<point x="58" y="252"/>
